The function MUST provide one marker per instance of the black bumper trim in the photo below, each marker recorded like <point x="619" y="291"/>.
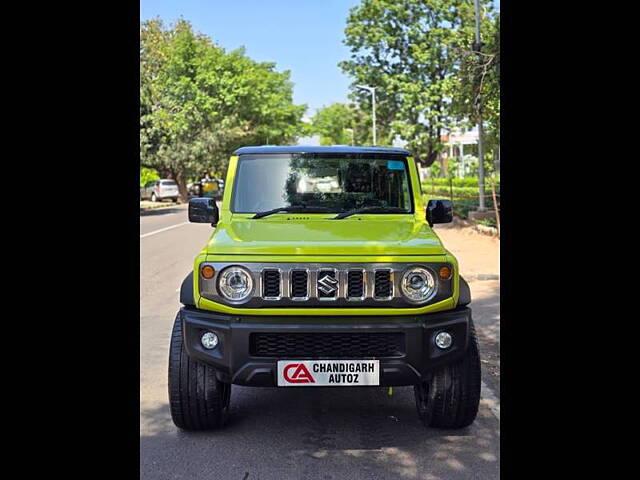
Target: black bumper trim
<point x="234" y="364"/>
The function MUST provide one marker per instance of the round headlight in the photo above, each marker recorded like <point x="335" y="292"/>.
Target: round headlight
<point x="418" y="284"/>
<point x="235" y="283"/>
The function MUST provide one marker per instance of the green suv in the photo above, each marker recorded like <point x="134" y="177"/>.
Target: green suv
<point x="323" y="271"/>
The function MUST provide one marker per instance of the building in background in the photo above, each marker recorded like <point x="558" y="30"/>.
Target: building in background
<point x="455" y="144"/>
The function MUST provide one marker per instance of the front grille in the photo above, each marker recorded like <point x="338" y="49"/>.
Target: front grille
<point x="299" y="281"/>
<point x="331" y="345"/>
<point x="383" y="284"/>
<point x="355" y="284"/>
<point x="271" y="284"/>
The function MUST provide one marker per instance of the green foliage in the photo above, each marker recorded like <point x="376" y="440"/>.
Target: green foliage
<point x="457" y="182"/>
<point x="346" y="124"/>
<point x="461" y="206"/>
<point x="416" y="53"/>
<point x="147" y="174"/>
<point x="463" y="192"/>
<point x="199" y="102"/>
<point x="488" y="222"/>
<point x="436" y="170"/>
<point x="332" y="123"/>
<point x="477" y="82"/>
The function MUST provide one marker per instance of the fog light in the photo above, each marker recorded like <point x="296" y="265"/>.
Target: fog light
<point x="443" y="340"/>
<point x="209" y="340"/>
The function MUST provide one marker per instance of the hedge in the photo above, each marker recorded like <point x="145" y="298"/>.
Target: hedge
<point x="462" y="206"/>
<point x="457" y="182"/>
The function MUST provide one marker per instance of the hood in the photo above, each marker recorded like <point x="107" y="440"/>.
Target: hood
<point x="299" y="235"/>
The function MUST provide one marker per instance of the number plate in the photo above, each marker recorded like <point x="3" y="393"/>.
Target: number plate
<point x="328" y="373"/>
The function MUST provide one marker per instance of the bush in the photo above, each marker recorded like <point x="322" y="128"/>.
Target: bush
<point x="488" y="222"/>
<point x="462" y="206"/>
<point x="446" y="191"/>
<point x="464" y="191"/>
<point x="457" y="182"/>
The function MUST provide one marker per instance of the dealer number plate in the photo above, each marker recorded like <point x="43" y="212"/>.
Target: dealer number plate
<point x="323" y="373"/>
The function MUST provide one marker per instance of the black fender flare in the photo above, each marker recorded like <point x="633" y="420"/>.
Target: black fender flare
<point x="465" y="293"/>
<point x="186" y="291"/>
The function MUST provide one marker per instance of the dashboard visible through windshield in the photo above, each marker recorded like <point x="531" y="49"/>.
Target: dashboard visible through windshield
<point x="331" y="183"/>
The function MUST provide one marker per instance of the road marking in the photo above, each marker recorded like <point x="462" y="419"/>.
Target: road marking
<point x="492" y="401"/>
<point x="163" y="229"/>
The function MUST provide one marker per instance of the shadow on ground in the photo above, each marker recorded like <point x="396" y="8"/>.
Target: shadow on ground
<point x="320" y="433"/>
<point x="161" y="211"/>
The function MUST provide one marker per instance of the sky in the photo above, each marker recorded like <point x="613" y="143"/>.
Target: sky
<point x="303" y="36"/>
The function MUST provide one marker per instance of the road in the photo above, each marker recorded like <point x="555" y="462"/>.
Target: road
<point x="318" y="433"/>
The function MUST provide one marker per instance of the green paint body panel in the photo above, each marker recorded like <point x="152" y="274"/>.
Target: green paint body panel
<point x="301" y="238"/>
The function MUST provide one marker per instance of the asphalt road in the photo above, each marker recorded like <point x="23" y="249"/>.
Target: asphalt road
<point x="299" y="433"/>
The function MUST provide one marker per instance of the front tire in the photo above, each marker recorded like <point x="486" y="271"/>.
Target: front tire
<point x="197" y="399"/>
<point x="451" y="397"/>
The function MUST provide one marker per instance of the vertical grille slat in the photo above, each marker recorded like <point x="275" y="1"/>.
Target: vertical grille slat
<point x="382" y="284"/>
<point x="299" y="284"/>
<point x="271" y="282"/>
<point x="355" y="284"/>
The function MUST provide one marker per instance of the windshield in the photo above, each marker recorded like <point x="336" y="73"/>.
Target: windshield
<point x="168" y="183"/>
<point x="336" y="182"/>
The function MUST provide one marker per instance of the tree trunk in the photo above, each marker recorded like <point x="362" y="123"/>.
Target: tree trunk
<point x="444" y="166"/>
<point x="182" y="187"/>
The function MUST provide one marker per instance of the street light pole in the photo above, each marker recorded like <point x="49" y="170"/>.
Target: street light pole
<point x="350" y="130"/>
<point x="371" y="90"/>
<point x="481" y="206"/>
<point x="373" y="94"/>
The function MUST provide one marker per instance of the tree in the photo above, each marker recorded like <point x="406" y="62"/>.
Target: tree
<point x="408" y="50"/>
<point x="477" y="83"/>
<point x="332" y="123"/>
<point x="198" y="102"/>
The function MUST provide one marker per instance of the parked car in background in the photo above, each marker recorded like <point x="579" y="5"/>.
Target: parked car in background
<point x="158" y="190"/>
<point x="213" y="188"/>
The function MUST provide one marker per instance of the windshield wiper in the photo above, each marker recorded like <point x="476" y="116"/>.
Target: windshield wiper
<point x="355" y="211"/>
<point x="291" y="209"/>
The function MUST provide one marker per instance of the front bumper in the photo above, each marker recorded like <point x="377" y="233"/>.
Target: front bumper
<point x="235" y="362"/>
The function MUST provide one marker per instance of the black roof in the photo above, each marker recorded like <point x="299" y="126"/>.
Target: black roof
<point x="317" y="149"/>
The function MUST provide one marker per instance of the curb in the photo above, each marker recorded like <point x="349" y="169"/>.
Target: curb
<point x="159" y="206"/>
<point x="481" y="277"/>
<point x="486" y="230"/>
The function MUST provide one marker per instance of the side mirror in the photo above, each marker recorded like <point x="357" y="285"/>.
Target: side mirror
<point x="439" y="211"/>
<point x="203" y="210"/>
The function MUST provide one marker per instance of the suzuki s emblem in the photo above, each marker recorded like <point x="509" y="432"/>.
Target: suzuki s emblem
<point x="327" y="284"/>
